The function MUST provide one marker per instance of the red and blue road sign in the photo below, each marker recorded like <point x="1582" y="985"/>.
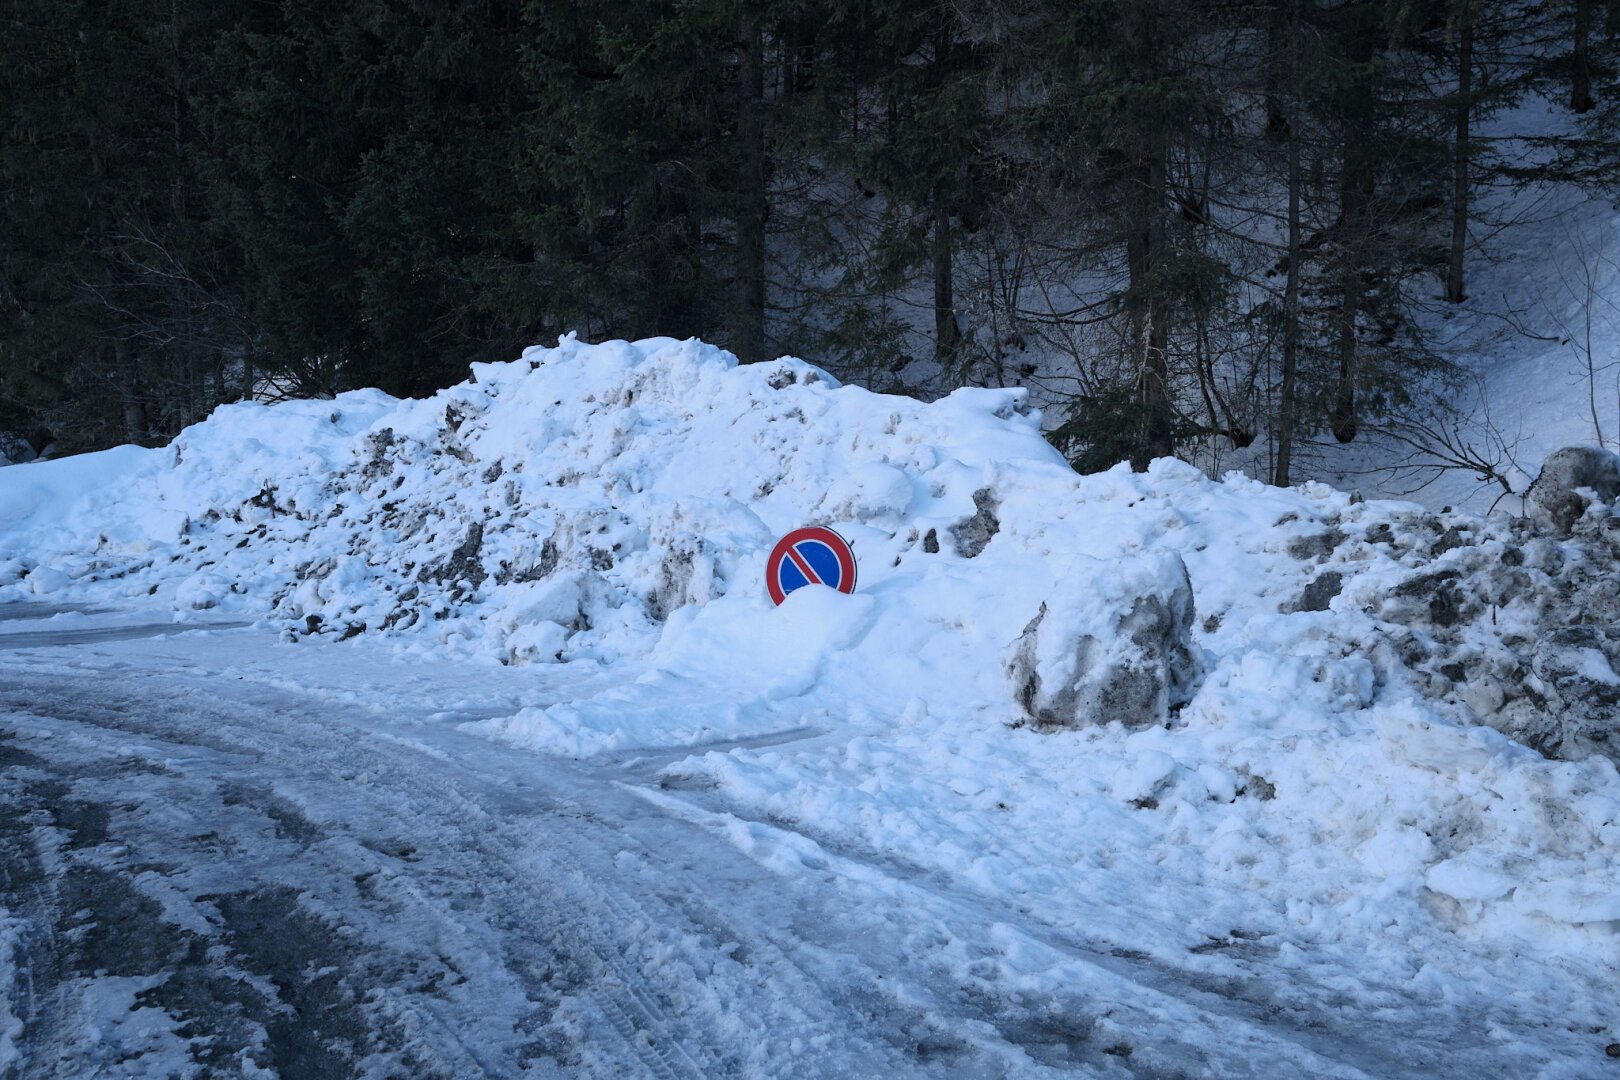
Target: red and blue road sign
<point x="810" y="556"/>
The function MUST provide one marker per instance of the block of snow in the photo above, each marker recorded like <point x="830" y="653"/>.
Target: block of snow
<point x="1113" y="643"/>
<point x="1570" y="480"/>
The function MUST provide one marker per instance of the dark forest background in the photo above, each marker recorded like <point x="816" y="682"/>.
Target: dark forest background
<point x="1177" y="221"/>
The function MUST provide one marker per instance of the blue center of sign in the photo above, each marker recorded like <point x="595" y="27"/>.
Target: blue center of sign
<point x="823" y="561"/>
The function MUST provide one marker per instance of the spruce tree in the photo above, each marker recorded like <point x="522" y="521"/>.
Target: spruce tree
<point x="120" y="312"/>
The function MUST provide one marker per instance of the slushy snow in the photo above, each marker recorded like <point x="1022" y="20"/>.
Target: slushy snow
<point x="1202" y="721"/>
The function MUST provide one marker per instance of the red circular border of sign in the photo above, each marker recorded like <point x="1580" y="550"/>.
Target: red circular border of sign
<point x="840" y="547"/>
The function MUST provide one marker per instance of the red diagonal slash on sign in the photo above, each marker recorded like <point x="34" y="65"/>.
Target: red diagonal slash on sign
<point x="788" y="551"/>
<point x="803" y="565"/>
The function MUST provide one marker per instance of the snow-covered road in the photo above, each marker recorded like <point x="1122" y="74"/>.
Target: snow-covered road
<point x="223" y="854"/>
<point x="235" y="874"/>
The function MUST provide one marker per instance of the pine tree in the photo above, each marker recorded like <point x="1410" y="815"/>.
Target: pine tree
<point x="120" y="307"/>
<point x="1131" y="121"/>
<point x="648" y="136"/>
<point x="884" y="149"/>
<point x="371" y="180"/>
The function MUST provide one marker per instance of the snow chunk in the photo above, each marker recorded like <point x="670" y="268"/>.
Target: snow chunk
<point x="1594" y="899"/>
<point x="1571" y="480"/>
<point x="1468" y="879"/>
<point x="1112" y="642"/>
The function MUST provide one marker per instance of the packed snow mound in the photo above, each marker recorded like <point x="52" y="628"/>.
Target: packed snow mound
<point x="618" y="500"/>
<point x="1134" y="671"/>
<point x="559" y="506"/>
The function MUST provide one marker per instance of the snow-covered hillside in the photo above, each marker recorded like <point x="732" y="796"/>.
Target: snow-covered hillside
<point x="1201" y="720"/>
<point x="1535" y="347"/>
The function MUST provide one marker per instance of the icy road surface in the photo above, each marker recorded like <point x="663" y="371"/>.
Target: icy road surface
<point x="225" y="855"/>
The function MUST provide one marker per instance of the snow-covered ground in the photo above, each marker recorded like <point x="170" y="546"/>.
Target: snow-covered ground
<point x="1123" y="774"/>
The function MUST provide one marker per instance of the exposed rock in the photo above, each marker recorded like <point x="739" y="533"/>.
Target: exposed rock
<point x="974" y="534"/>
<point x="528" y="566"/>
<point x="675" y="574"/>
<point x="463" y="563"/>
<point x="379" y="460"/>
<point x="1256" y="785"/>
<point x="1433" y="598"/>
<point x="1576" y="668"/>
<point x="1320" y="592"/>
<point x="1319" y="546"/>
<point x="1450" y="540"/>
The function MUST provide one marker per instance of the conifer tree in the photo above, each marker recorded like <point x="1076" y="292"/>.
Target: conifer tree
<point x="120" y="314"/>
<point x="649" y="133"/>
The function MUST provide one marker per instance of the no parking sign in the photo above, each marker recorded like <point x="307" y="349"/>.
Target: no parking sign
<point x="810" y="556"/>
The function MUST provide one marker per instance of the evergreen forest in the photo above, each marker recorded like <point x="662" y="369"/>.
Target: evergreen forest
<point x="1181" y="223"/>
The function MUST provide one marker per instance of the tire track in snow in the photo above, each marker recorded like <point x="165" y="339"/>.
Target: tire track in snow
<point x="1306" y="1030"/>
<point x="687" y="957"/>
<point x="272" y="922"/>
<point x="116" y="937"/>
<point x="666" y="1017"/>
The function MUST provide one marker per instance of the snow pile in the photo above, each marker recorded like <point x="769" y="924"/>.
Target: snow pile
<point x="601" y="501"/>
<point x="1115" y="698"/>
<point x="1510" y="622"/>
<point x="560" y="506"/>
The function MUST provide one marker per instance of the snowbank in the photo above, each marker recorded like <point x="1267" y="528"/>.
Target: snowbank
<point x="1270" y="699"/>
<point x="557" y="507"/>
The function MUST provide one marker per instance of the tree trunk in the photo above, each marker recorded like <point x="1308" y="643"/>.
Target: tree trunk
<point x="798" y="37"/>
<point x="221" y="393"/>
<point x="752" y="205"/>
<point x="1145" y="206"/>
<point x="1342" y="417"/>
<point x="1285" y="418"/>
<point x="1150" y="332"/>
<point x="1277" y="31"/>
<point x="1157" y="441"/>
<point x="1459" y="194"/>
<point x="1355" y="221"/>
<point x="136" y="427"/>
<point x="196" y="391"/>
<point x="1580" y="92"/>
<point x="947" y="334"/>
